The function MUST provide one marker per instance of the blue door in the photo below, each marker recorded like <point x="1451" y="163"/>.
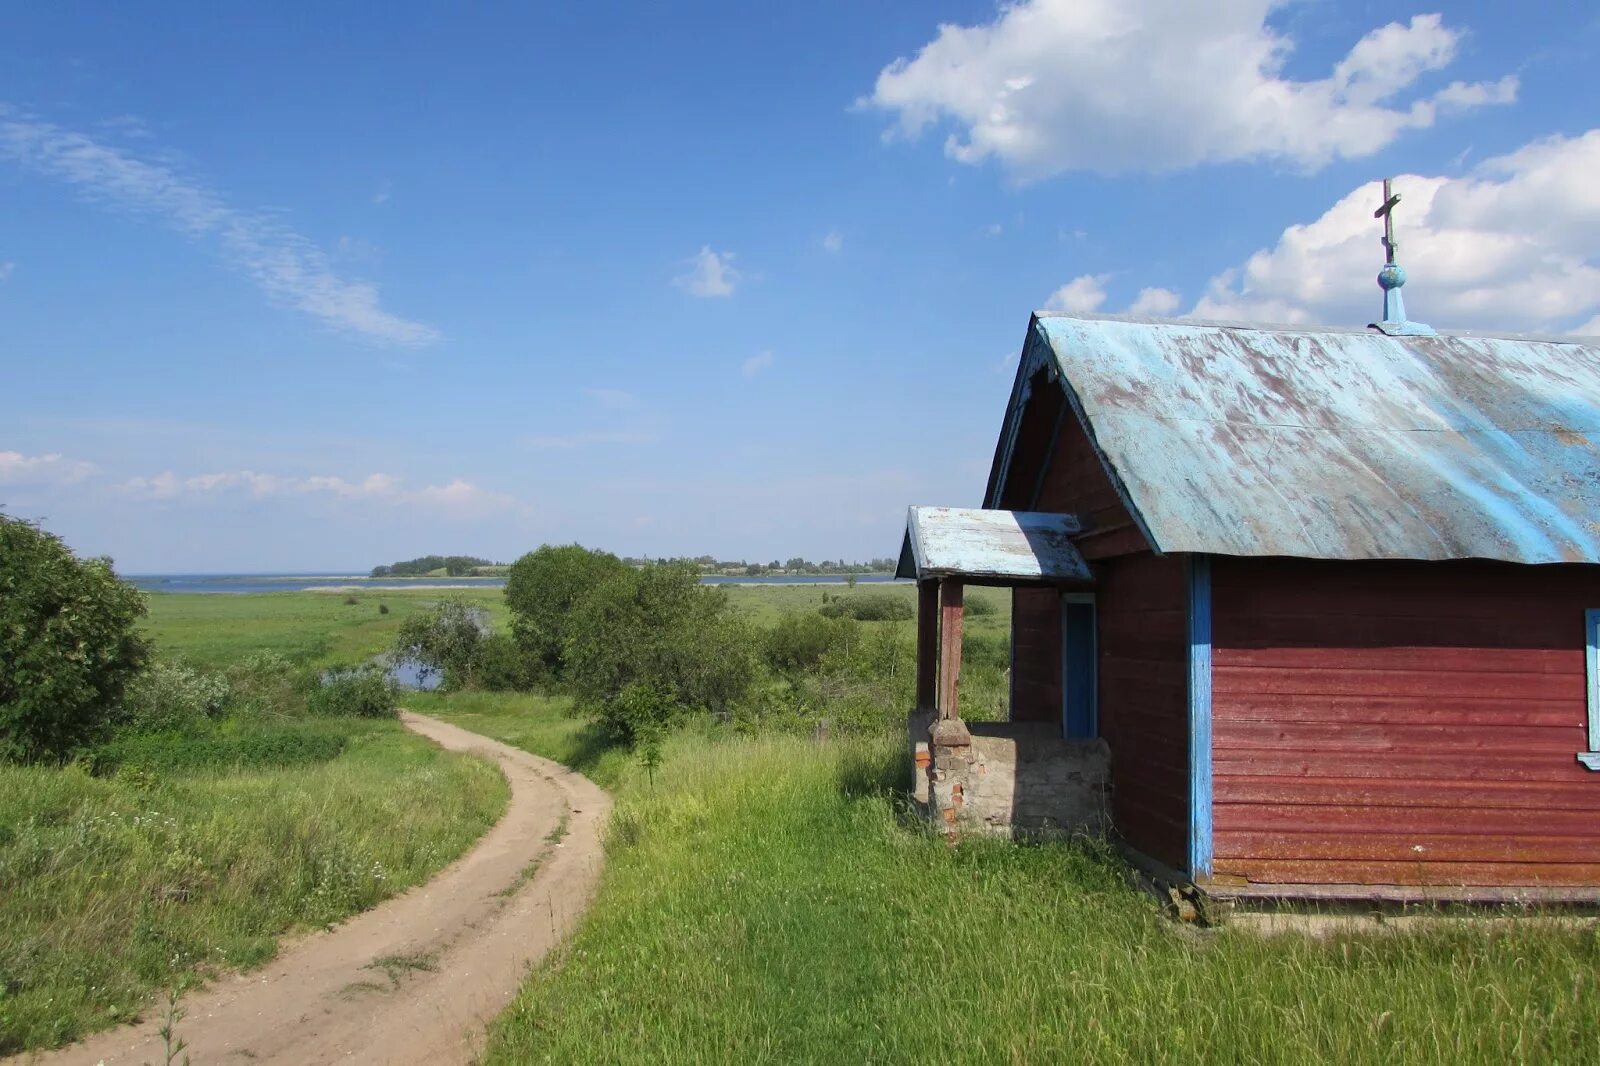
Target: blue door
<point x="1077" y="669"/>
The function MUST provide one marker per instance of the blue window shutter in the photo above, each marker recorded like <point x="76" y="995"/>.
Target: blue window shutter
<point x="1591" y="643"/>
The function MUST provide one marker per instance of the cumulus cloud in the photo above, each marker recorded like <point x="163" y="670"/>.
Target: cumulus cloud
<point x="709" y="274"/>
<point x="833" y="241"/>
<point x="287" y="266"/>
<point x="6" y="270"/>
<point x="52" y="468"/>
<point x="456" y="494"/>
<point x="1082" y="294"/>
<point x="756" y="364"/>
<point x="1114" y="86"/>
<point x="1154" y="301"/>
<point x="1512" y="245"/>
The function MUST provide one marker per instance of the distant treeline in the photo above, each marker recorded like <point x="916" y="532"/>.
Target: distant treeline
<point x="709" y="564"/>
<point x="423" y="565"/>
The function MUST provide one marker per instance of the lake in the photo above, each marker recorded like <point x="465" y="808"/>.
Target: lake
<point x="251" y="583"/>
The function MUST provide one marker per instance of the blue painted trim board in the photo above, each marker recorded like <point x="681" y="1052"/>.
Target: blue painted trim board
<point x="1200" y="827"/>
<point x="1591" y="643"/>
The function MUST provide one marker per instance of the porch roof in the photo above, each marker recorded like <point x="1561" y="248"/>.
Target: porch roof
<point x="991" y="546"/>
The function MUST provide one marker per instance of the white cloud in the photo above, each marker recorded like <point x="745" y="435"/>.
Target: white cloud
<point x="1512" y="245"/>
<point x="756" y="364"/>
<point x="381" y="197"/>
<point x="710" y="273"/>
<point x="6" y="270"/>
<point x="456" y="494"/>
<point x="1131" y="85"/>
<point x="287" y="266"/>
<point x="833" y="241"/>
<point x="1154" y="301"/>
<point x="1082" y="294"/>
<point x="52" y="468"/>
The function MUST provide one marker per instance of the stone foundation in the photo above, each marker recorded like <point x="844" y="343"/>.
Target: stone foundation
<point x="1009" y="777"/>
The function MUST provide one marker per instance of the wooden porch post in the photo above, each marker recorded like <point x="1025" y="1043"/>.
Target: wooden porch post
<point x="927" y="644"/>
<point x="951" y="603"/>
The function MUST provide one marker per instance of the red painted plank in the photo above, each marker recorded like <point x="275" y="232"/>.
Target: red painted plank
<point x="1464" y="711"/>
<point x="1453" y="659"/>
<point x="1442" y="765"/>
<point x="1577" y="794"/>
<point x="1243" y="738"/>
<point x="1267" y="871"/>
<point x="1237" y="818"/>
<point x="1436" y="684"/>
<point x="1399" y="847"/>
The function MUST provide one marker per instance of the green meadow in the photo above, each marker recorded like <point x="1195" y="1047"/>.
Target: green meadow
<point x="116" y="889"/>
<point x="767" y="899"/>
<point x="310" y="628"/>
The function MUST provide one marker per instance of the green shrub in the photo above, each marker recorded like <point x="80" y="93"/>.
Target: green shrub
<point x="503" y="665"/>
<point x="357" y="692"/>
<point x="445" y="640"/>
<point x="980" y="606"/>
<point x="660" y="627"/>
<point x="799" y="641"/>
<point x="870" y="607"/>
<point x="153" y="755"/>
<point x="267" y="684"/>
<point x="172" y="695"/>
<point x="67" y="644"/>
<point x="542" y="590"/>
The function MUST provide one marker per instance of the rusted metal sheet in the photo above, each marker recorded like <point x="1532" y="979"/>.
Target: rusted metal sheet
<point x="1007" y="547"/>
<point x="1336" y="444"/>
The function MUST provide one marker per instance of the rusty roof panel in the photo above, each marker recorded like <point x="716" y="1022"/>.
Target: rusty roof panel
<point x="991" y="545"/>
<point x="1333" y="444"/>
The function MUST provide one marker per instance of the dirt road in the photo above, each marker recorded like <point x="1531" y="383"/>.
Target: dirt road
<point x="416" y="979"/>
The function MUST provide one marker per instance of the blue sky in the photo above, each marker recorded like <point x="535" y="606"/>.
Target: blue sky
<point x="289" y="289"/>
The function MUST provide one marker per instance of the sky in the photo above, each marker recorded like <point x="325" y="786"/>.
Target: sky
<point x="295" y="287"/>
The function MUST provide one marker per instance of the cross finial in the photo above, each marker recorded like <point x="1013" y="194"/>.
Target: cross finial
<point x="1393" y="275"/>
<point x="1386" y="212"/>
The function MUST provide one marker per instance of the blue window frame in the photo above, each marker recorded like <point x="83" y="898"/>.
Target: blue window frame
<point x="1591" y="629"/>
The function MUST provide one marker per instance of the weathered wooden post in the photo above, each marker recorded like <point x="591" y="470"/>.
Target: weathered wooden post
<point x="927" y="645"/>
<point x="950" y="742"/>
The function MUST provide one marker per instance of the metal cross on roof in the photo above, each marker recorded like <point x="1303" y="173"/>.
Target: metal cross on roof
<point x="1386" y="212"/>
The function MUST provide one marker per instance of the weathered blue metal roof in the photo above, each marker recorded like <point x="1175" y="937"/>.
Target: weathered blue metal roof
<point x="1337" y="444"/>
<point x="991" y="545"/>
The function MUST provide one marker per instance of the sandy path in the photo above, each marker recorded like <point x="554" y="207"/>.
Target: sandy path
<point x="456" y="948"/>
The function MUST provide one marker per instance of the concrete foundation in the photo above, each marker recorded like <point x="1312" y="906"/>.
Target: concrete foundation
<point x="1009" y="777"/>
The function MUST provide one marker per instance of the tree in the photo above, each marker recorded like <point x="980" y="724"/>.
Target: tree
<point x="67" y="644"/>
<point x="542" y="589"/>
<point x="446" y="639"/>
<point x="657" y="627"/>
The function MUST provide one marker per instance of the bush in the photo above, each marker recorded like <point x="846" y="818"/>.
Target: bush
<point x="657" y="626"/>
<point x="870" y="607"/>
<point x="267" y="684"/>
<point x="67" y="645"/>
<point x="171" y="696"/>
<point x="210" y="747"/>
<point x="980" y="606"/>
<point x="503" y="666"/>
<point x="799" y="641"/>
<point x="444" y="640"/>
<point x="359" y="692"/>
<point x="542" y="590"/>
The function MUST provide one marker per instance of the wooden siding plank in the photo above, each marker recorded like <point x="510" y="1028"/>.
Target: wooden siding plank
<point x="1291" y="792"/>
<point x="1374" y="844"/>
<point x="1273" y="871"/>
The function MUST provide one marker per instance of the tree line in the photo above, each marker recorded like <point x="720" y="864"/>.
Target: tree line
<point x="423" y="565"/>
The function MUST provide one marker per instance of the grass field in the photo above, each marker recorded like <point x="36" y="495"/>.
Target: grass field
<point x="765" y="901"/>
<point x="310" y="628"/>
<point x="115" y="889"/>
<point x="765" y="604"/>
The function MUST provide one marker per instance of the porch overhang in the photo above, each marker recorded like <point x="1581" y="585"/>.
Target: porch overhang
<point x="982" y="546"/>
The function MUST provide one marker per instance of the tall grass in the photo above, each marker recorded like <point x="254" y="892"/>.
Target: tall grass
<point x="114" y="888"/>
<point x="766" y="902"/>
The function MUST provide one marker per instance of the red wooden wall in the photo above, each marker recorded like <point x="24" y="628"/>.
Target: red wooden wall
<point x="1402" y="723"/>
<point x="1142" y="609"/>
